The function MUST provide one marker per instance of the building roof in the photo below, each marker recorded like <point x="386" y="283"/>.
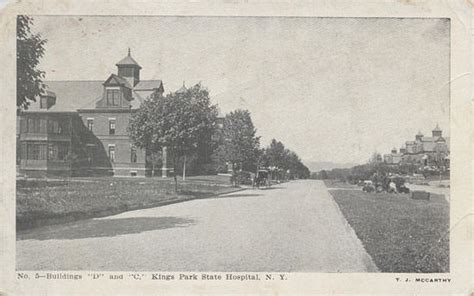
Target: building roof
<point x="437" y="129"/>
<point x="71" y="95"/>
<point x="118" y="80"/>
<point x="410" y="142"/>
<point x="419" y="134"/>
<point x="48" y="93"/>
<point x="128" y="61"/>
<point x="74" y="95"/>
<point x="148" y="85"/>
<point x="429" y="139"/>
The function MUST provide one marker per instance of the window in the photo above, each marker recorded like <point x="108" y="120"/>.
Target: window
<point x="126" y="72"/>
<point x="64" y="126"/>
<point x="51" y="152"/>
<point x="58" y="151"/>
<point x="111" y="126"/>
<point x="33" y="151"/>
<point x="24" y="155"/>
<point x="33" y="125"/>
<point x="44" y="103"/>
<point x="91" y="153"/>
<point x="63" y="150"/>
<point x="36" y="151"/>
<point x="133" y="155"/>
<point x="113" y="97"/>
<point x="112" y="153"/>
<point x="23" y="126"/>
<point x="90" y="123"/>
<point x="53" y="126"/>
<point x="43" y="123"/>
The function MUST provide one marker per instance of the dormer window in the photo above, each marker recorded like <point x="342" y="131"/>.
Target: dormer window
<point x="44" y="103"/>
<point x="47" y="99"/>
<point x="113" y="97"/>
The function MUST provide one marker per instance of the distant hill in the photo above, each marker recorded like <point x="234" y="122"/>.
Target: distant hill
<point x="315" y="166"/>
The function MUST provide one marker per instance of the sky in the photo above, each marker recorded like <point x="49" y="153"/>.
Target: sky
<point x="331" y="89"/>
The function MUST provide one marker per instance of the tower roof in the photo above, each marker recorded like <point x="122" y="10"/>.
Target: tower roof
<point x="182" y="89"/>
<point x="128" y="61"/>
<point x="437" y="129"/>
<point x="419" y="134"/>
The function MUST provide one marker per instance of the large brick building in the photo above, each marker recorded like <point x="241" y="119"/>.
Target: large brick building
<point x="80" y="127"/>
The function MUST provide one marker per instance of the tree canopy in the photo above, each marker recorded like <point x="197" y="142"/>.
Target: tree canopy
<point x="177" y="121"/>
<point x="239" y="143"/>
<point x="30" y="49"/>
<point x="276" y="155"/>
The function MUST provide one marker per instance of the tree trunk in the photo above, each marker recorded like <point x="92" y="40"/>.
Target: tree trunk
<point x="233" y="176"/>
<point x="152" y="167"/>
<point x="175" y="177"/>
<point x="184" y="168"/>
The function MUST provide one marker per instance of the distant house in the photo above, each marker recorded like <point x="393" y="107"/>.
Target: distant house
<point x="423" y="150"/>
<point x="393" y="158"/>
<point x="80" y="127"/>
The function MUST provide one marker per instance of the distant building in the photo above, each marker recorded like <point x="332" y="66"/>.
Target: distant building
<point x="393" y="158"/>
<point x="424" y="151"/>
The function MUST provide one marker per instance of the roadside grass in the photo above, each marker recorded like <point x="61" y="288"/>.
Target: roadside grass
<point x="333" y="183"/>
<point x="212" y="179"/>
<point x="399" y="233"/>
<point x="43" y="202"/>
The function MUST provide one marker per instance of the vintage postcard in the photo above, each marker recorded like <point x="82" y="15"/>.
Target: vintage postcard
<point x="236" y="148"/>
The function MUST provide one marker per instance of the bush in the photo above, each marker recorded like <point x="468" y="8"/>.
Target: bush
<point x="242" y="177"/>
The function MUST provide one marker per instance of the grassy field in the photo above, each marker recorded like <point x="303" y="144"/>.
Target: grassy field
<point x="330" y="183"/>
<point x="40" y="202"/>
<point x="400" y="234"/>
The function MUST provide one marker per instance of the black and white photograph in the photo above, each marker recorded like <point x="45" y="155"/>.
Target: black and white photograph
<point x="233" y="144"/>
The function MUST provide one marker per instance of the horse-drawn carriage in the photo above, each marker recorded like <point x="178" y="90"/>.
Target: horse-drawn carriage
<point x="261" y="179"/>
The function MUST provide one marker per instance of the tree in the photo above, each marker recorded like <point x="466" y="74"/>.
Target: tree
<point x="30" y="49"/>
<point x="375" y="158"/>
<point x="177" y="121"/>
<point x="240" y="145"/>
<point x="276" y="154"/>
<point x="323" y="175"/>
<point x="281" y="159"/>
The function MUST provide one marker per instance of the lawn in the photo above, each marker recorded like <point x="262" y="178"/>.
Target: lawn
<point x="41" y="202"/>
<point x="333" y="183"/>
<point x="400" y="234"/>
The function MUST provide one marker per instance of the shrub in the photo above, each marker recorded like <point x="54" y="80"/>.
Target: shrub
<point x="242" y="177"/>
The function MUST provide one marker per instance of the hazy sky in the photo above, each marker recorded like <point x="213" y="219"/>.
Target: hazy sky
<point x="331" y="89"/>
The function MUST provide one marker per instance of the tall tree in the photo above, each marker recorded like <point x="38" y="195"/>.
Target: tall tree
<point x="240" y="146"/>
<point x="30" y="49"/>
<point x="277" y="154"/>
<point x="177" y="121"/>
<point x="283" y="160"/>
